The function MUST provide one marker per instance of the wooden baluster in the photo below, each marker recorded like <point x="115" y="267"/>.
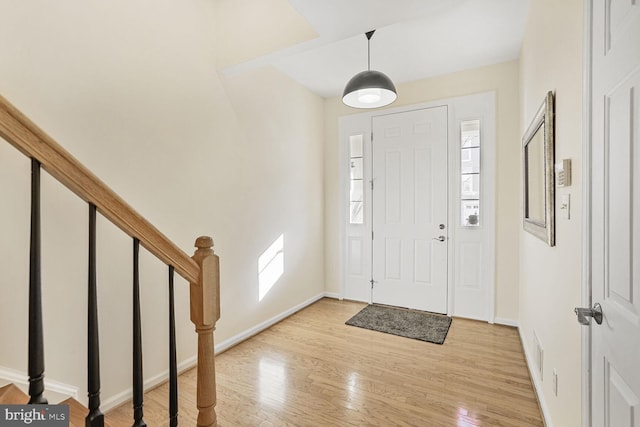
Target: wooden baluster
<point x="95" y="418"/>
<point x="36" y="341"/>
<point x="173" y="366"/>
<point x="205" y="311"/>
<point x="138" y="385"/>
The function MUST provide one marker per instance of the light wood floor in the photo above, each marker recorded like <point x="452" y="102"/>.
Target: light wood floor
<point x="313" y="370"/>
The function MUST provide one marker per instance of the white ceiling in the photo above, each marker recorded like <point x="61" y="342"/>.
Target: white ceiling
<point x="414" y="39"/>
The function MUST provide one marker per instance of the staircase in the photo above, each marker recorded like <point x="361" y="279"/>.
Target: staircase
<point x="201" y="270"/>
<point x="12" y="395"/>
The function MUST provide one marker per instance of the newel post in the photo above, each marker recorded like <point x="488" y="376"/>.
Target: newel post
<point x="205" y="311"/>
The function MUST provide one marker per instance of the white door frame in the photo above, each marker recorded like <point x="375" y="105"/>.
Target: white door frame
<point x="488" y="198"/>
<point x="586" y="211"/>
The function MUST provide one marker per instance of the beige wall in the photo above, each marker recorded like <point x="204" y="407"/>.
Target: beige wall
<point x="501" y="78"/>
<point x="249" y="29"/>
<point x="131" y="89"/>
<point x="551" y="59"/>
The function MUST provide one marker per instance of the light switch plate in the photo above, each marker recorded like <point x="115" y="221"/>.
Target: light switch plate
<point x="565" y="206"/>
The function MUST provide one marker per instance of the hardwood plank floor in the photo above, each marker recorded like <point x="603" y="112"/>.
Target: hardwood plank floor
<point x="313" y="370"/>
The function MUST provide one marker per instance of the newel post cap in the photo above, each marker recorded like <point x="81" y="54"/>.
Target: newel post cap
<point x="204" y="242"/>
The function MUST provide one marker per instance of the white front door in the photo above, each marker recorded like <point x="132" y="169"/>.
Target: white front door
<point x="410" y="209"/>
<point x="615" y="207"/>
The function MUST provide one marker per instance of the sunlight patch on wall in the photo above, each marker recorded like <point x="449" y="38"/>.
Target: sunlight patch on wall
<point x="270" y="267"/>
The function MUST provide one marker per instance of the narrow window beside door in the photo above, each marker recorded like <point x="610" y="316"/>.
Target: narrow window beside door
<point x="470" y="173"/>
<point x="356" y="182"/>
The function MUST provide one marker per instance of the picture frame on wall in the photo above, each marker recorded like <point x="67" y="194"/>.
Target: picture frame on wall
<point x="538" y="148"/>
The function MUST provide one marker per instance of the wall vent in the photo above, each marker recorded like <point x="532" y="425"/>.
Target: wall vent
<point x="538" y="354"/>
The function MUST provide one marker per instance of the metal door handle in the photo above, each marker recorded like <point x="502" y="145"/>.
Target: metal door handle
<point x="440" y="238"/>
<point x="583" y="313"/>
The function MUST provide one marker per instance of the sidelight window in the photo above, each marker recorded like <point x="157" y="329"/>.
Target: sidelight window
<point x="356" y="181"/>
<point x="470" y="178"/>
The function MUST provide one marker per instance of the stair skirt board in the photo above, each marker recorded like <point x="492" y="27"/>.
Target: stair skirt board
<point x="56" y="391"/>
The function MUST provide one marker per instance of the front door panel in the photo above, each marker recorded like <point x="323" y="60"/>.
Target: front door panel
<point x="410" y="209"/>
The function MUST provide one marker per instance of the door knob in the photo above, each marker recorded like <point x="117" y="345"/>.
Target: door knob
<point x="583" y="313"/>
<point x="440" y="238"/>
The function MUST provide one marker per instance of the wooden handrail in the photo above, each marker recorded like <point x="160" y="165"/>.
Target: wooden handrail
<point x="33" y="142"/>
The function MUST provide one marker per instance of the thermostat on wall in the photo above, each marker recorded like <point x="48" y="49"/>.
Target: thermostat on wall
<point x="563" y="173"/>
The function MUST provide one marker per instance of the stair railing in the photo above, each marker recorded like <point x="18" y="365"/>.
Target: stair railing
<point x="201" y="270"/>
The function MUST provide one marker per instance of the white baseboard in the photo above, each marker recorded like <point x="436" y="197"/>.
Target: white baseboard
<point x="505" y="322"/>
<point x="333" y="295"/>
<point x="127" y="395"/>
<point x="536" y="382"/>
<point x="55" y="390"/>
<point x="242" y="336"/>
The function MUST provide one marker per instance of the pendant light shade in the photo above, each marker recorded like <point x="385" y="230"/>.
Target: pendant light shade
<point x="369" y="89"/>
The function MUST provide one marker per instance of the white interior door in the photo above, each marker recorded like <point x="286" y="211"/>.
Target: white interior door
<point x="615" y="233"/>
<point x="410" y="209"/>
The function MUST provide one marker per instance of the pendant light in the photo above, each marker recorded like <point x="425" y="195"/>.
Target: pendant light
<point x="369" y="89"/>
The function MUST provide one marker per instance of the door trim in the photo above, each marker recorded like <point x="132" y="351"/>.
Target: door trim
<point x="452" y="215"/>
<point x="586" y="208"/>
